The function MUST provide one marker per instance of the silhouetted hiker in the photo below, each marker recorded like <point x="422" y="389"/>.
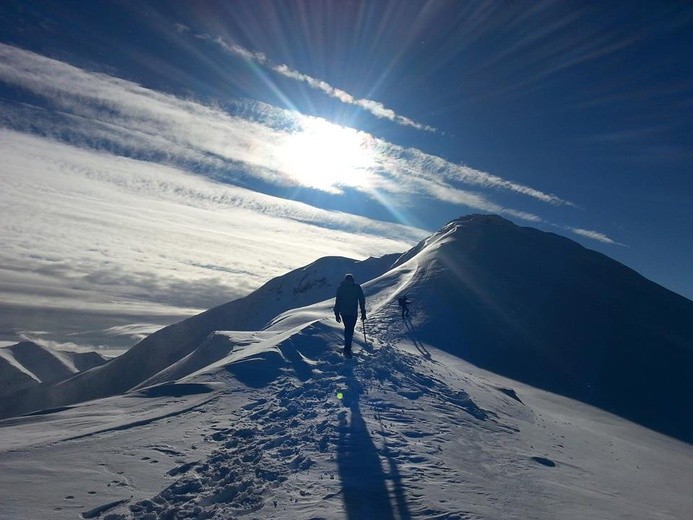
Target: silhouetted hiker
<point x="404" y="305"/>
<point x="349" y="298"/>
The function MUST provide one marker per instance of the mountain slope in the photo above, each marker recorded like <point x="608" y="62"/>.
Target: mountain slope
<point x="168" y="346"/>
<point x="542" y="309"/>
<point x="14" y="376"/>
<point x="275" y="424"/>
<point x="283" y="428"/>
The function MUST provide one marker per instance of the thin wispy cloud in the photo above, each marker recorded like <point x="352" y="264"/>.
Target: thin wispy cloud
<point x="374" y="107"/>
<point x="433" y="167"/>
<point x="96" y="110"/>
<point x="594" y="235"/>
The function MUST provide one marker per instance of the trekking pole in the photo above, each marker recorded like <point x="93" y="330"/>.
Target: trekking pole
<point x="363" y="322"/>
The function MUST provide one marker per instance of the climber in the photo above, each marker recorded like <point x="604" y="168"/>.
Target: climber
<point x="404" y="302"/>
<point x="349" y="298"/>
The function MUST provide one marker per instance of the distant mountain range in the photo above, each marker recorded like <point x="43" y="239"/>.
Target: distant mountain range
<point x="28" y="364"/>
<point x="527" y="304"/>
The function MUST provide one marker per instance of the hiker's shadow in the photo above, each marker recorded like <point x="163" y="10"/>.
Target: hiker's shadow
<point x="415" y="340"/>
<point x="364" y="489"/>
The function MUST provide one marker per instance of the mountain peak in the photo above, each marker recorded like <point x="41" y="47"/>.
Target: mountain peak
<point x="480" y="218"/>
<point x="540" y="308"/>
<point x="475" y="221"/>
<point x="464" y="229"/>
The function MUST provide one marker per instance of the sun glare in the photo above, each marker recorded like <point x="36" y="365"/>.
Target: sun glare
<point x="328" y="157"/>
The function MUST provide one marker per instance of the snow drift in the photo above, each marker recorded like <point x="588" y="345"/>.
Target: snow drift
<point x="170" y="345"/>
<point x="283" y="428"/>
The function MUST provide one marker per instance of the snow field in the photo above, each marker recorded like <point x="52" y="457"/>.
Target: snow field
<point x="417" y="434"/>
<point x="297" y="448"/>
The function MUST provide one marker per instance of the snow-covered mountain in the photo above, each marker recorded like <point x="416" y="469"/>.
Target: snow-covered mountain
<point x="544" y="310"/>
<point x="169" y="346"/>
<point x="527" y="304"/>
<point x="27" y="364"/>
<point x="249" y="410"/>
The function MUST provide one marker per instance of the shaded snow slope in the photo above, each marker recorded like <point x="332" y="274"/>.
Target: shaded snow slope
<point x="13" y="375"/>
<point x="283" y="428"/>
<point x="544" y="310"/>
<point x="172" y="344"/>
<point x="27" y="364"/>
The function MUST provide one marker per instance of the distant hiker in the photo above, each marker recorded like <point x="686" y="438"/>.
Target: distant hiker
<point x="404" y="302"/>
<point x="349" y="298"/>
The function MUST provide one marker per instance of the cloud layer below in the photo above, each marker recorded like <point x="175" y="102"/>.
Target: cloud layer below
<point x="100" y="233"/>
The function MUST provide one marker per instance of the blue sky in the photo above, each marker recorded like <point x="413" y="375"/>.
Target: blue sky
<point x="157" y="155"/>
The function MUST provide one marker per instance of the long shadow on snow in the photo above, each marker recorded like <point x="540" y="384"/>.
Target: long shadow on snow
<point x="364" y="491"/>
<point x="417" y="343"/>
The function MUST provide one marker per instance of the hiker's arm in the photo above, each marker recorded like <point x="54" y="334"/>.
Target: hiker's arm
<point x="336" y="307"/>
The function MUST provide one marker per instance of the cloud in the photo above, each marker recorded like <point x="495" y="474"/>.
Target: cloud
<point x="99" y="111"/>
<point x="594" y="235"/>
<point x="426" y="167"/>
<point x="374" y="107"/>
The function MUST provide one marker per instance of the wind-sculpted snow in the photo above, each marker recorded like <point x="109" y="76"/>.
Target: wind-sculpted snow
<point x="283" y="427"/>
<point x="526" y="304"/>
<point x="355" y="437"/>
<point x="249" y="411"/>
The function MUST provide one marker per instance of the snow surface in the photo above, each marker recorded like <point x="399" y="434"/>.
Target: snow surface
<point x="250" y="411"/>
<point x="262" y="434"/>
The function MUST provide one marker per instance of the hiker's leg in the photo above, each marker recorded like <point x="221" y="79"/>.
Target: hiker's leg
<point x="349" y="324"/>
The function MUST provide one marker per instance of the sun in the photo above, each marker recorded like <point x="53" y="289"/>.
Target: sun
<point x="328" y="157"/>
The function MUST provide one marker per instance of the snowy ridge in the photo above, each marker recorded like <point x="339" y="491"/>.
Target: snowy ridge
<point x="14" y="375"/>
<point x="542" y="309"/>
<point x="7" y="357"/>
<point x="530" y="305"/>
<point x="27" y="364"/>
<point x="217" y="346"/>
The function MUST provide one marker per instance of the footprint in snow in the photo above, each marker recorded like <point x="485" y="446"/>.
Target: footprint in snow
<point x="544" y="461"/>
